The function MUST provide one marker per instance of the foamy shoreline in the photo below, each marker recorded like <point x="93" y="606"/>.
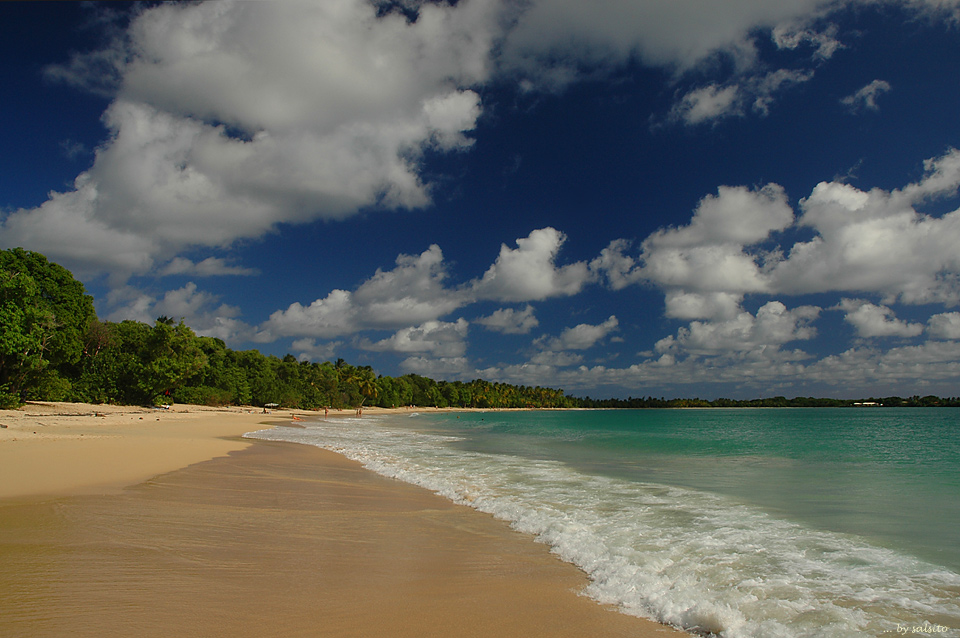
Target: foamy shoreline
<point x="325" y="547"/>
<point x="59" y="448"/>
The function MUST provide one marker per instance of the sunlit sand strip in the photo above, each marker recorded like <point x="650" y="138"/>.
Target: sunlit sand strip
<point x="72" y="448"/>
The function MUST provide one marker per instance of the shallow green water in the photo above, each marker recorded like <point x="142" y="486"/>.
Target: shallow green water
<point x="888" y="474"/>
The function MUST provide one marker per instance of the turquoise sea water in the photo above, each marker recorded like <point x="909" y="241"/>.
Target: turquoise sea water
<point x="737" y="522"/>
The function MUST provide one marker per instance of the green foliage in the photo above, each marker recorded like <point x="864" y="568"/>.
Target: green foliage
<point x="170" y="357"/>
<point x="44" y="314"/>
<point x="132" y="363"/>
<point x="112" y="365"/>
<point x="202" y="395"/>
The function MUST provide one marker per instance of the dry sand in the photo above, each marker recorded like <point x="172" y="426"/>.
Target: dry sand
<point x="75" y="448"/>
<point x="266" y="539"/>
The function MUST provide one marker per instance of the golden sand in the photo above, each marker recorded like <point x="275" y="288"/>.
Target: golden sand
<point x="74" y="448"/>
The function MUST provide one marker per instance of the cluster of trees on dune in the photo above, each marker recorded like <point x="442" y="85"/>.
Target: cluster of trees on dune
<point x="53" y="347"/>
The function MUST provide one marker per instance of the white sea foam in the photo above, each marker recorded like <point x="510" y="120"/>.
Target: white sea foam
<point x="687" y="558"/>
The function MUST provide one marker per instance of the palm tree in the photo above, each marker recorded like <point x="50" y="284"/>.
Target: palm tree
<point x="368" y="387"/>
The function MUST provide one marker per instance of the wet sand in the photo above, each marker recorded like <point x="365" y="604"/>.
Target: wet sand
<point x="282" y="540"/>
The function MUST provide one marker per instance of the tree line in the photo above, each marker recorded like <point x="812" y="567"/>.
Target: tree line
<point x="54" y="348"/>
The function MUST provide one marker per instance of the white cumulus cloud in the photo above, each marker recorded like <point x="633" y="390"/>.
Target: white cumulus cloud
<point x="510" y="321"/>
<point x="411" y="293"/>
<point x="529" y="272"/>
<point x="232" y="117"/>
<point x="871" y="320"/>
<point x="878" y="242"/>
<point x="681" y="304"/>
<point x="415" y="293"/>
<point x="709" y="253"/>
<point x="436" y="338"/>
<point x="944" y="326"/>
<point x="772" y="326"/>
<point x="582" y="336"/>
<point x="738" y="242"/>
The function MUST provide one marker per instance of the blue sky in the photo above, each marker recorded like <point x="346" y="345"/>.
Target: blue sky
<point x="669" y="197"/>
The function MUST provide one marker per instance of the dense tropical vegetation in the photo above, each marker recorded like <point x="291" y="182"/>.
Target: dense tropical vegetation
<point x="53" y="347"/>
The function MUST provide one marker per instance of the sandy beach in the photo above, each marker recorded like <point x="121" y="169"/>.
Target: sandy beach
<point x="136" y="522"/>
<point x="74" y="448"/>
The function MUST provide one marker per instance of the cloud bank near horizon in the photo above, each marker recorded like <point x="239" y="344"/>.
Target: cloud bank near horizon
<point x="742" y="247"/>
